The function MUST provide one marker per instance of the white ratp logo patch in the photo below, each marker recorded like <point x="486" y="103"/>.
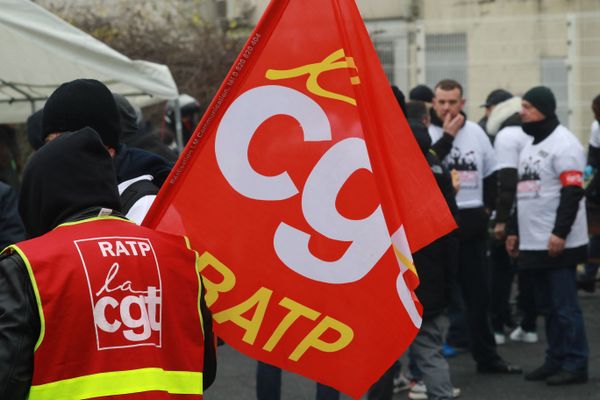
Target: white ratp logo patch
<point x="127" y="309"/>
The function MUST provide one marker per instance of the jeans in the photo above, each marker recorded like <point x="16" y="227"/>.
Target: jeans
<point x="425" y="350"/>
<point x="556" y="294"/>
<point x="268" y="385"/>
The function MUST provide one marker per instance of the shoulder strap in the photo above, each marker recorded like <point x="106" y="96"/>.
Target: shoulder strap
<point x="136" y="191"/>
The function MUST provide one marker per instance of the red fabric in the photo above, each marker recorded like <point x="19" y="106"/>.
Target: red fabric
<point x="77" y="266"/>
<point x="571" y="178"/>
<point x="232" y="201"/>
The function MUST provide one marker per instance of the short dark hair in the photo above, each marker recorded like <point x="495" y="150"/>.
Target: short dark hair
<point x="416" y="110"/>
<point x="449" y="84"/>
<point x="596" y="102"/>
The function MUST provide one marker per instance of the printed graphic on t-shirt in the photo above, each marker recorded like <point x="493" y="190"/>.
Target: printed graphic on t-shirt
<point x="466" y="166"/>
<point x="529" y="179"/>
<point x="127" y="310"/>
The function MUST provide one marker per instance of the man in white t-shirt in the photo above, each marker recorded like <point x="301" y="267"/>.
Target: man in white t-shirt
<point x="552" y="234"/>
<point x="463" y="146"/>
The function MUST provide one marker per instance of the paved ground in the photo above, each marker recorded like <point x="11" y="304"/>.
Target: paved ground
<point x="235" y="378"/>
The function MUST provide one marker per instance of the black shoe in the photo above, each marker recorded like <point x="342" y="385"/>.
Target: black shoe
<point x="564" y="377"/>
<point x="587" y="285"/>
<point x="540" y="374"/>
<point x="499" y="367"/>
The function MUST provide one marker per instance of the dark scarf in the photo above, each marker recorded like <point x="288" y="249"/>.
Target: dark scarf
<point x="540" y="130"/>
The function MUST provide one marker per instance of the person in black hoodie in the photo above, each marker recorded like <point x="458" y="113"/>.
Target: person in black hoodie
<point x="133" y="136"/>
<point x="69" y="192"/>
<point x="88" y="102"/>
<point x="436" y="266"/>
<point x="549" y="234"/>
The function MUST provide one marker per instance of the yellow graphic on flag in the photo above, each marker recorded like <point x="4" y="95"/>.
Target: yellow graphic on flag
<point x="336" y="60"/>
<point x="405" y="260"/>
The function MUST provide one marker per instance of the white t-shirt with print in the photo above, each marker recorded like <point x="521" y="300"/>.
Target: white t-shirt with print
<point x="538" y="190"/>
<point x="472" y="156"/>
<point x="595" y="135"/>
<point x="508" y="144"/>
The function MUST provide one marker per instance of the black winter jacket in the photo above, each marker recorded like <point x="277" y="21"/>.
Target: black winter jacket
<point x="437" y="262"/>
<point x="11" y="226"/>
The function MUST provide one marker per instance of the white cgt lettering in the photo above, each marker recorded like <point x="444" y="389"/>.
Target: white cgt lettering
<point x="369" y="236"/>
<point x="240" y="122"/>
<point x="100" y="314"/>
<point x="145" y="305"/>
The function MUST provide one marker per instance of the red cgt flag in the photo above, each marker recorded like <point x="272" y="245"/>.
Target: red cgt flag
<point x="304" y="191"/>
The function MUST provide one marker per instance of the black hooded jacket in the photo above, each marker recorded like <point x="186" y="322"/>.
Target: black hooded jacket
<point x="133" y="136"/>
<point x="11" y="226"/>
<point x="71" y="178"/>
<point x="70" y="174"/>
<point x="131" y="163"/>
<point x="436" y="263"/>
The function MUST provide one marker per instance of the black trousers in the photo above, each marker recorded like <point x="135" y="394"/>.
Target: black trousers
<point x="526" y="300"/>
<point x="503" y="272"/>
<point x="474" y="281"/>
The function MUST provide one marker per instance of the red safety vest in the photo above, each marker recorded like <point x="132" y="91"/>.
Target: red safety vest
<point x="119" y="313"/>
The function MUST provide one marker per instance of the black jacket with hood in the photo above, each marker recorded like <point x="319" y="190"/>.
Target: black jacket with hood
<point x="437" y="262"/>
<point x="11" y="226"/>
<point x="69" y="179"/>
<point x="134" y="137"/>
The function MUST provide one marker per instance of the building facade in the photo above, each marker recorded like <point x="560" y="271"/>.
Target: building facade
<point x="485" y="44"/>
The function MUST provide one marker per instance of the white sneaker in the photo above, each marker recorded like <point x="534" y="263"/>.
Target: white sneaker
<point x="519" y="335"/>
<point x="418" y="387"/>
<point x="401" y="383"/>
<point x="500" y="338"/>
<point x="419" y="392"/>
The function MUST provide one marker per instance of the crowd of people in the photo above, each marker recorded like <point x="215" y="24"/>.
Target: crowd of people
<point x="520" y="182"/>
<point x="516" y="183"/>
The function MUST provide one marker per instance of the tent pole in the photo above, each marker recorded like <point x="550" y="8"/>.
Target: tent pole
<point x="178" y="127"/>
<point x="25" y="94"/>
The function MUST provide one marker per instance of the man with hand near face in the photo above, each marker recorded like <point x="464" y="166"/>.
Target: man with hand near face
<point x="552" y="234"/>
<point x="463" y="146"/>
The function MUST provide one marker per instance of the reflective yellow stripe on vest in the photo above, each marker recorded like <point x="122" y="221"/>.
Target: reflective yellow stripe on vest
<point x="119" y="383"/>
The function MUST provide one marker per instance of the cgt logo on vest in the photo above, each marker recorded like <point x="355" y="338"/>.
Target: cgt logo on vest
<point x="125" y="291"/>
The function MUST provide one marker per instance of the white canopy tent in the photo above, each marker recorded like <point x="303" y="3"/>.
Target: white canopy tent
<point x="39" y="51"/>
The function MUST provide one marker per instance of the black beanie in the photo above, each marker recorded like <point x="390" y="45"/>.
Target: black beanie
<point x="80" y="103"/>
<point x="399" y="98"/>
<point x="421" y="93"/>
<point x="541" y="98"/>
<point x="34" y="130"/>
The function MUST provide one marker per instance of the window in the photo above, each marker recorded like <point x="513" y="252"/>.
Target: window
<point x="446" y="58"/>
<point x="554" y="74"/>
<point x="385" y="51"/>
